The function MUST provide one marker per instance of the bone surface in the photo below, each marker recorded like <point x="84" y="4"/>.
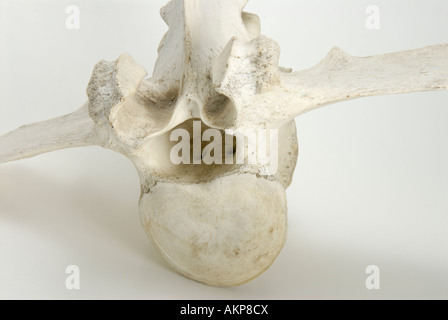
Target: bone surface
<point x="221" y="225"/>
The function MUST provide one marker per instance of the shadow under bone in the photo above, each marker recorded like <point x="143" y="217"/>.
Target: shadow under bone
<point x="45" y="211"/>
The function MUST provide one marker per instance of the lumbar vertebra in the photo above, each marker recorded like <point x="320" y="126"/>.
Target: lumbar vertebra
<point x="220" y="222"/>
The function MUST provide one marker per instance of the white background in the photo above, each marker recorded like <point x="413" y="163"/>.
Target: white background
<point x="371" y="184"/>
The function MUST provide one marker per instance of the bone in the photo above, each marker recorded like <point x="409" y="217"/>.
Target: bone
<point x="264" y="96"/>
<point x="73" y="130"/>
<point x="221" y="225"/>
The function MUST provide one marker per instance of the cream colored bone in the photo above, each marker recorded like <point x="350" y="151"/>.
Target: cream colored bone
<point x="222" y="225"/>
